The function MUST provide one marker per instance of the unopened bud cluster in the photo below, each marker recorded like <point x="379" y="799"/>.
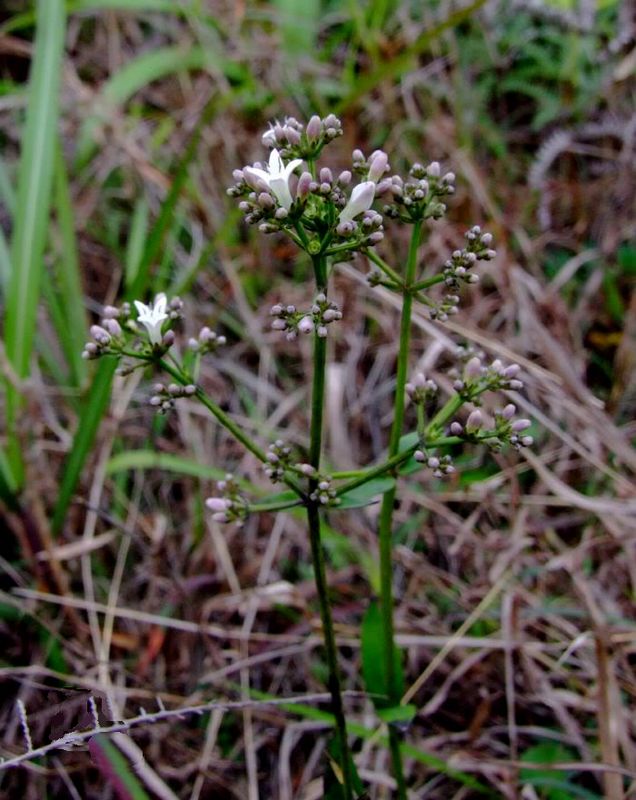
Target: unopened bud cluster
<point x="418" y="197"/>
<point x="278" y="458"/>
<point x="478" y="378"/>
<point x="441" y="465"/>
<point x="324" y="493"/>
<point x="207" y="341"/>
<point x="164" y="397"/>
<point x="295" y="140"/>
<point x="457" y="269"/>
<point x="230" y="505"/>
<point x="506" y="428"/>
<point x="421" y="389"/>
<point x="291" y="321"/>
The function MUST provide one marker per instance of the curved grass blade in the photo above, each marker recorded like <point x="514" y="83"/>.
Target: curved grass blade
<point x="33" y="206"/>
<point x="94" y="408"/>
<point x="66" y="281"/>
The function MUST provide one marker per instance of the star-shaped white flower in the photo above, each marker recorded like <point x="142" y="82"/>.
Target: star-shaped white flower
<point x="277" y="176"/>
<point x="153" y="316"/>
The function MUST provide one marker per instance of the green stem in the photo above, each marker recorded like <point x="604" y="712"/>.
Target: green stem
<point x="381" y="263"/>
<point x="314" y="524"/>
<point x="427" y="283"/>
<point x="388" y="502"/>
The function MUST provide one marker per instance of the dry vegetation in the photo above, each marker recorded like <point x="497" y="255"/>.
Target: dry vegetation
<point x="515" y="579"/>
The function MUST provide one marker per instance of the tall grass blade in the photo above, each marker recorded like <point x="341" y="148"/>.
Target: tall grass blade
<point x="90" y="418"/>
<point x="33" y="206"/>
<point x="66" y="279"/>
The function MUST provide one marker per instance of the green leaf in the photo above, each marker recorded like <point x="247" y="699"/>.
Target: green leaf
<point x="403" y="714"/>
<point x="374" y="662"/>
<point x="33" y="206"/>
<point x="366" y="494"/>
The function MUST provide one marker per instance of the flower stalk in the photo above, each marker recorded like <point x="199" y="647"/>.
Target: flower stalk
<point x="314" y="525"/>
<point x="385" y="531"/>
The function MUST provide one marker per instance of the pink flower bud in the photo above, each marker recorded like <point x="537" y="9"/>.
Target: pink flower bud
<point x="473" y="368"/>
<point x="217" y="504"/>
<point x="520" y="425"/>
<point x="306" y="325"/>
<point x="475" y="420"/>
<point x="378" y="164"/>
<point x="302" y="190"/>
<point x="314" y="128"/>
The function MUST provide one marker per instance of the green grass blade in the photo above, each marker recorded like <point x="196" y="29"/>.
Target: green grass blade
<point x="151" y="459"/>
<point x="73" y="330"/>
<point x="136" y="241"/>
<point x="5" y="263"/>
<point x="92" y="413"/>
<point x="33" y="205"/>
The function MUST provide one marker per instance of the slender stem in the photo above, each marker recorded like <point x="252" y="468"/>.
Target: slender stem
<point x="427" y="283"/>
<point x="314" y="524"/>
<point x="388" y="502"/>
<point x="381" y="263"/>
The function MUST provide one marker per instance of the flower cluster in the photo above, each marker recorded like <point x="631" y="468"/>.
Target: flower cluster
<point x="506" y="428"/>
<point x="278" y="460"/>
<point x="117" y="326"/>
<point x="324" y="493"/>
<point x="230" y="506"/>
<point x="419" y="196"/>
<point x="294" y="140"/>
<point x="478" y="378"/>
<point x="457" y="269"/>
<point x="441" y="465"/>
<point x="292" y="321"/>
<point x="164" y="396"/>
<point x="206" y="341"/>
<point x="421" y="389"/>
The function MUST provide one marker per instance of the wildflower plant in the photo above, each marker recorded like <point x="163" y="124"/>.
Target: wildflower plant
<point x="334" y="217"/>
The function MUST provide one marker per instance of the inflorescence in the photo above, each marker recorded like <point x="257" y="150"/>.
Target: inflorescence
<point x="330" y="214"/>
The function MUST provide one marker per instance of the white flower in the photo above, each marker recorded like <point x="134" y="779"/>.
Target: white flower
<point x="153" y="317"/>
<point x="361" y="200"/>
<point x="277" y="176"/>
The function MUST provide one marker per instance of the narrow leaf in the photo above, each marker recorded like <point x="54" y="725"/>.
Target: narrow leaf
<point x="66" y="278"/>
<point x="374" y="669"/>
<point x="92" y="413"/>
<point x="33" y="205"/>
